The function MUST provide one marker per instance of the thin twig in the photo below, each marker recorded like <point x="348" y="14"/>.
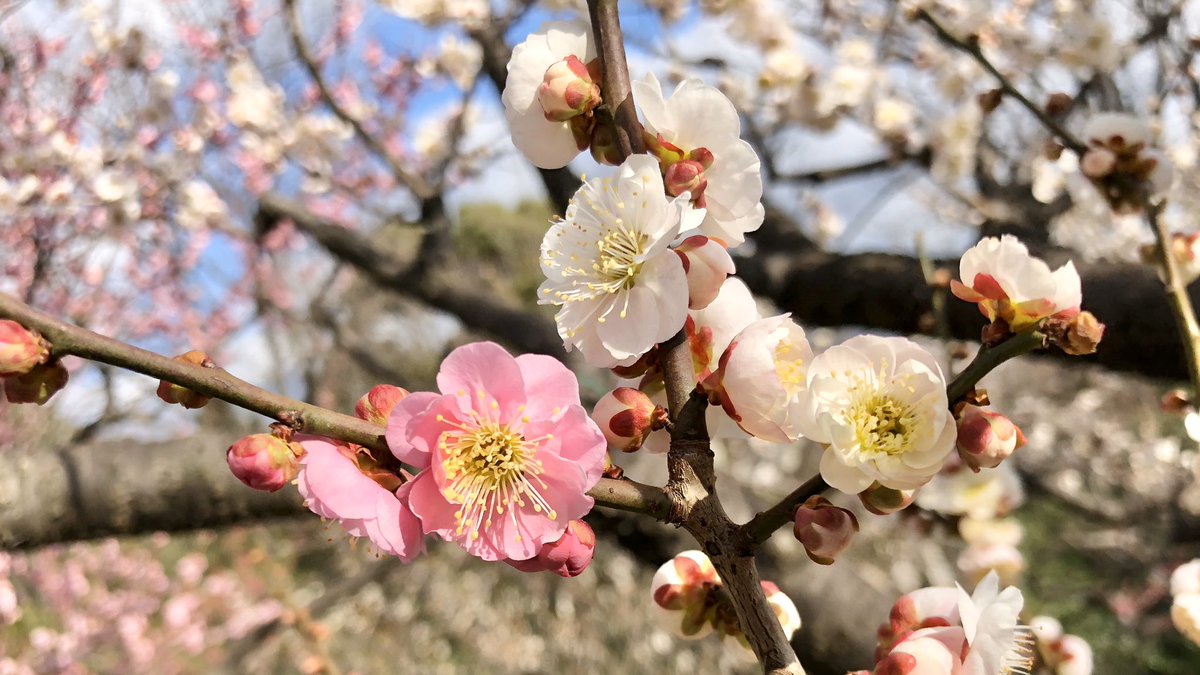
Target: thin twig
<point x="1176" y="288"/>
<point x="66" y="339"/>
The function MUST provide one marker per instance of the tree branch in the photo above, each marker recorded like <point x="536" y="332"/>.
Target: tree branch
<point x="1177" y="295"/>
<point x="71" y="340"/>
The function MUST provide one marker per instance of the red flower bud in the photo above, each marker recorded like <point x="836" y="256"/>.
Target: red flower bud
<point x="824" y="529"/>
<point x="173" y="393"/>
<point x="567" y="90"/>
<point x="20" y="349"/>
<point x="263" y="461"/>
<point x="986" y="438"/>
<point x="686" y="176"/>
<point x="376" y="405"/>
<point x="626" y="416"/>
<point x="37" y="385"/>
<point x="567" y="557"/>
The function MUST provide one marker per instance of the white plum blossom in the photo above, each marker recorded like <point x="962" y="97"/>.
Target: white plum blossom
<point x="879" y="403"/>
<point x="608" y="265"/>
<point x="698" y="128"/>
<point x="252" y="104"/>
<point x="762" y="375"/>
<point x="957" y="491"/>
<point x="1009" y="284"/>
<point x="460" y="60"/>
<point x="200" y="206"/>
<point x="989" y="616"/>
<point x="955" y="141"/>
<point x="548" y="143"/>
<point x="1186" y="578"/>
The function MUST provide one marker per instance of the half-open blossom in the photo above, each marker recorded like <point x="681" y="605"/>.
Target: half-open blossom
<point x="376" y="405"/>
<point x="698" y="118"/>
<point x="38" y="385"/>
<point x="824" y="529"/>
<point x="20" y="350"/>
<point x="626" y="416"/>
<point x="568" y="90"/>
<point x="264" y="461"/>
<point x="879" y="403"/>
<point x="1010" y="285"/>
<point x="986" y="438"/>
<point x="928" y="651"/>
<point x="884" y="501"/>
<point x="1063" y="654"/>
<point x="547" y="142"/>
<point x="785" y="609"/>
<point x="682" y="587"/>
<point x="170" y="392"/>
<point x="567" y="557"/>
<point x="333" y="486"/>
<point x="922" y="608"/>
<point x="506" y="453"/>
<point x="989" y="617"/>
<point x="608" y="265"/>
<point x="762" y="374"/>
<point x="707" y="264"/>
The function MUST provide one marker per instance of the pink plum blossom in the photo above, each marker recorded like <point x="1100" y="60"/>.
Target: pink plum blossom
<point x="263" y="461"/>
<point x="986" y="438"/>
<point x="505" y="452"/>
<point x="334" y="487"/>
<point x="376" y="405"/>
<point x="1010" y="285"/>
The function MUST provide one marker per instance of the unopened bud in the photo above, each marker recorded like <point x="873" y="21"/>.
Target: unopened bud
<point x="986" y="438"/>
<point x="884" y="501"/>
<point x="645" y="363"/>
<point x="707" y="263"/>
<point x="990" y="100"/>
<point x="1175" y="402"/>
<point x="376" y="405"/>
<point x="568" y="557"/>
<point x="603" y="141"/>
<point x="1058" y="104"/>
<point x="264" y="461"/>
<point x="1082" y="335"/>
<point x="626" y="416"/>
<point x="686" y="176"/>
<point x="1098" y="163"/>
<point x="38" y="385"/>
<point x="568" y="90"/>
<point x="824" y="529"/>
<point x="20" y="349"/>
<point x="173" y="393"/>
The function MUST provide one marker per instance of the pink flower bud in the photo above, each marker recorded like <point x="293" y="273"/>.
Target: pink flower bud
<point x="173" y="393"/>
<point x="1098" y="163"/>
<point x="264" y="461"/>
<point x="707" y="264"/>
<point x="37" y="385"/>
<point x="568" y="557"/>
<point x="884" y="501"/>
<point x="929" y="651"/>
<point x="376" y="405"/>
<point x="20" y="349"/>
<point x="686" y="176"/>
<point x="986" y="438"/>
<point x="824" y="529"/>
<point x="568" y="90"/>
<point x="626" y="416"/>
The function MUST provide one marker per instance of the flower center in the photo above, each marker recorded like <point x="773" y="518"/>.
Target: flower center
<point x="491" y="471"/>
<point x="620" y="259"/>
<point x="882" y="424"/>
<point x="790" y="367"/>
<point x="1018" y="660"/>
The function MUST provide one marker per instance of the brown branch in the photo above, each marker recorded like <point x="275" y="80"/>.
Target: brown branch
<point x="972" y="48"/>
<point x="1177" y="295"/>
<point x="75" y="341"/>
<point x="416" y="183"/>
<point x="618" y="96"/>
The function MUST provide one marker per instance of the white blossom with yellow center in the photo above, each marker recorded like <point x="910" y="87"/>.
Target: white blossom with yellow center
<point x="490" y="470"/>
<point x="879" y="404"/>
<point x="762" y="376"/>
<point x="609" y="268"/>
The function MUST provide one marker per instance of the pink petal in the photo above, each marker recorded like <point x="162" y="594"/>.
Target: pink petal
<point x="549" y="385"/>
<point x="412" y="452"/>
<point x="483" y="367"/>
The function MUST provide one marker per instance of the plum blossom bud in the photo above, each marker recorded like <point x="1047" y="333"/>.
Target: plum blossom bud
<point x="1057" y="104"/>
<point x="1098" y="163"/>
<point x="264" y="461"/>
<point x="37" y="385"/>
<point x="173" y="393"/>
<point x="1175" y="402"/>
<point x="376" y="405"/>
<point x="824" y="529"/>
<point x="884" y="501"/>
<point x="683" y="589"/>
<point x="604" y="145"/>
<point x="568" y="90"/>
<point x="986" y="438"/>
<point x="707" y="264"/>
<point x="990" y="100"/>
<point x="929" y="651"/>
<point x="626" y="416"/>
<point x="686" y="176"/>
<point x="568" y="557"/>
<point x="785" y="609"/>
<point x="20" y="349"/>
<point x="1062" y="654"/>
